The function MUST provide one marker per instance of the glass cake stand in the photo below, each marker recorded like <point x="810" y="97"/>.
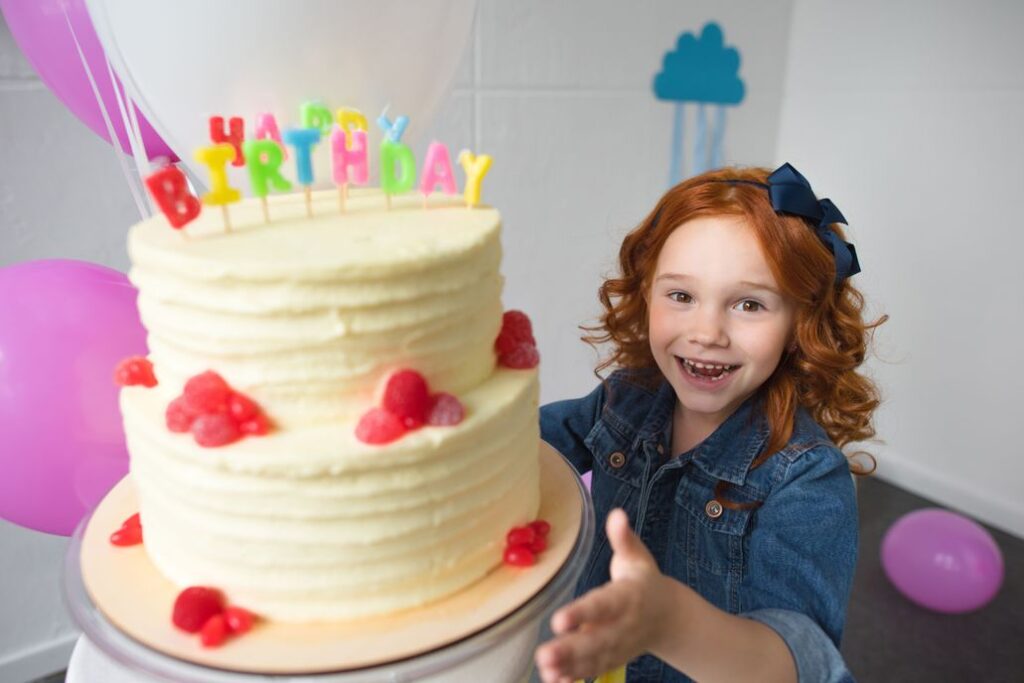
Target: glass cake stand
<point x="501" y="652"/>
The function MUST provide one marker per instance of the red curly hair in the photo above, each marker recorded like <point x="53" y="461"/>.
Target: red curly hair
<point x="830" y="333"/>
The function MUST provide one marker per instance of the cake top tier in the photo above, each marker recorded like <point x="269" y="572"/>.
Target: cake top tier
<point x="366" y="240"/>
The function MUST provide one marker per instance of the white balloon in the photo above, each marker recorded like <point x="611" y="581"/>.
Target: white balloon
<point x="183" y="61"/>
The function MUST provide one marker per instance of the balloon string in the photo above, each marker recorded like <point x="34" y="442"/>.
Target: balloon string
<point x="134" y="134"/>
<point x="106" y="118"/>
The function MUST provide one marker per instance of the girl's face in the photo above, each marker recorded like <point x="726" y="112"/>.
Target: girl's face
<point x="714" y="302"/>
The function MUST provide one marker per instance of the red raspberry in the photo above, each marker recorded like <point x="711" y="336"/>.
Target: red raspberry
<point x="542" y="527"/>
<point x="407" y="397"/>
<point x="214" y="631"/>
<point x="194" y="606"/>
<point x="239" y="620"/>
<point x="241" y="407"/>
<point x="515" y="329"/>
<point x="521" y="535"/>
<point x="179" y="416"/>
<point x="126" y="536"/>
<point x="135" y="371"/>
<point x="539" y="545"/>
<point x="255" y="426"/>
<point x="519" y="556"/>
<point x="378" y="426"/>
<point x="445" y="411"/>
<point x="130" y="532"/>
<point x="216" y="429"/>
<point x="207" y="393"/>
<point x="523" y="357"/>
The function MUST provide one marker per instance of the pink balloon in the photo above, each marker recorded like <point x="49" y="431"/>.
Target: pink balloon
<point x="41" y="31"/>
<point x="64" y="326"/>
<point x="942" y="561"/>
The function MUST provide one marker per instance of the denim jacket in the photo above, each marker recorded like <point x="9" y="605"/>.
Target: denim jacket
<point x="788" y="563"/>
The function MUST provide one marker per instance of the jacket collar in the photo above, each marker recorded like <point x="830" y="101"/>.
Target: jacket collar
<point x="726" y="453"/>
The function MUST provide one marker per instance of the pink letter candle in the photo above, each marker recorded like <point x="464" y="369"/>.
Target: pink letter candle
<point x="437" y="170"/>
<point x="348" y="161"/>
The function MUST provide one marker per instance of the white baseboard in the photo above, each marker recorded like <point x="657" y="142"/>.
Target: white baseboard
<point x="36" y="662"/>
<point x="948" y="492"/>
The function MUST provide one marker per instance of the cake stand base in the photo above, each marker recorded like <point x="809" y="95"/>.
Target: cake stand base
<point x="123" y="605"/>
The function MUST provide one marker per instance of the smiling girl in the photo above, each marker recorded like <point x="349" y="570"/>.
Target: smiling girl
<point x="730" y="535"/>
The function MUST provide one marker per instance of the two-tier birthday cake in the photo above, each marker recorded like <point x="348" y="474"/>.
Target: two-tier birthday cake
<point x="308" y="317"/>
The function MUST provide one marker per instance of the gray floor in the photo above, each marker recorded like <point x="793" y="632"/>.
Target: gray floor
<point x="890" y="640"/>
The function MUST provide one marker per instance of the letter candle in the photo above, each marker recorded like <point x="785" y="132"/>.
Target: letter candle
<point x="235" y="135"/>
<point x="437" y="170"/>
<point x="263" y="159"/>
<point x="266" y="129"/>
<point x="303" y="139"/>
<point x="348" y="152"/>
<point x="476" y="167"/>
<point x="169" y="190"/>
<point x="221" y="194"/>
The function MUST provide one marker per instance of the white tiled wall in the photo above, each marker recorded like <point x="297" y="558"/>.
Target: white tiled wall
<point x="559" y="93"/>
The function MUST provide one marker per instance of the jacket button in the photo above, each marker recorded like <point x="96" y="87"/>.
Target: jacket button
<point x="661" y="449"/>
<point x="617" y="459"/>
<point x="713" y="509"/>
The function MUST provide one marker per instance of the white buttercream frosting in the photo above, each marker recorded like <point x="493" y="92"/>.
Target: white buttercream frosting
<point x="307" y="316"/>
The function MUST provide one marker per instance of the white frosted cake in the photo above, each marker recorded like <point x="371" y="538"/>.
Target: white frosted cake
<point x="308" y="317"/>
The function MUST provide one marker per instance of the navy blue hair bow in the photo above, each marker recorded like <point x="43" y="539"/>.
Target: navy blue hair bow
<point x="791" y="193"/>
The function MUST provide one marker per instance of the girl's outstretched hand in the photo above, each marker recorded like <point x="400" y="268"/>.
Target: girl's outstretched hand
<point x="614" y="623"/>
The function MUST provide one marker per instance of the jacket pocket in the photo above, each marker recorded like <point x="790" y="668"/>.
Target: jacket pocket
<point x="714" y="534"/>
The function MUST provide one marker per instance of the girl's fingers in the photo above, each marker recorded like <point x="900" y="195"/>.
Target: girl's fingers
<point x="577" y="655"/>
<point x="600" y="604"/>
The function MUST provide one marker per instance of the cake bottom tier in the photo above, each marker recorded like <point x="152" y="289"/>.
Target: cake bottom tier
<point x="310" y="524"/>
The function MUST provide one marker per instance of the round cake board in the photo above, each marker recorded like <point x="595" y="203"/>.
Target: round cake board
<point x="129" y="591"/>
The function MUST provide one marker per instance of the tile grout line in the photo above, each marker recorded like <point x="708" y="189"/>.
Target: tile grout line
<point x="477" y="80"/>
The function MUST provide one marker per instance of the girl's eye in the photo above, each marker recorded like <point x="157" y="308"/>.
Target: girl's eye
<point x="751" y="306"/>
<point x="680" y="297"/>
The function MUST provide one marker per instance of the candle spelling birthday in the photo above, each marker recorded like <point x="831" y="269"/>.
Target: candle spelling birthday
<point x="345" y="133"/>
